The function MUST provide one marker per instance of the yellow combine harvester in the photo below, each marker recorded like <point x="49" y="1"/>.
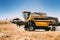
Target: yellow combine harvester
<point x="39" y="21"/>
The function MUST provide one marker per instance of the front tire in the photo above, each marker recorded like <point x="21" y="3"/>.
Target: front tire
<point x="29" y="27"/>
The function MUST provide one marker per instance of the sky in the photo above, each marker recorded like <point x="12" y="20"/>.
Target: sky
<point x="14" y="8"/>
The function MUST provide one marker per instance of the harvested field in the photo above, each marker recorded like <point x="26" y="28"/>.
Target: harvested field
<point x="9" y="31"/>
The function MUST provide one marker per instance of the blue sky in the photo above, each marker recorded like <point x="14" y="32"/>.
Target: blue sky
<point x="14" y="8"/>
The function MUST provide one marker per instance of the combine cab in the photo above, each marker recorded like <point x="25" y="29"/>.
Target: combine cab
<point x="39" y="21"/>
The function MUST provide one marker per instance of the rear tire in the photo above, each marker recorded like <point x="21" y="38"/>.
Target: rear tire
<point x="53" y="29"/>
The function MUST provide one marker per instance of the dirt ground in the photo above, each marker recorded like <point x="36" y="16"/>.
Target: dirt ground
<point x="9" y="31"/>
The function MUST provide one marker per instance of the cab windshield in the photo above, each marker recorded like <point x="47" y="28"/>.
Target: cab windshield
<point x="26" y="15"/>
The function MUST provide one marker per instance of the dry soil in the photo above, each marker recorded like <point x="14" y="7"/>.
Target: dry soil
<point x="9" y="31"/>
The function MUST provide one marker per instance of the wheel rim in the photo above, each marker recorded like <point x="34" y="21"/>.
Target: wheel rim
<point x="31" y="28"/>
